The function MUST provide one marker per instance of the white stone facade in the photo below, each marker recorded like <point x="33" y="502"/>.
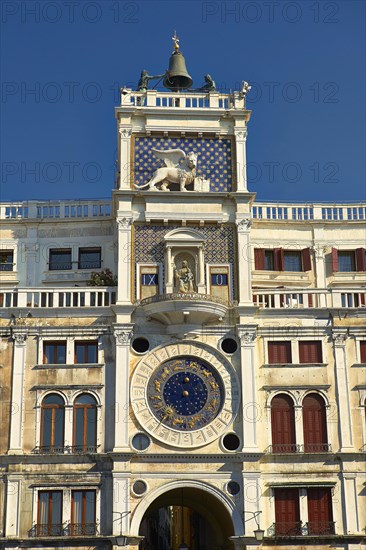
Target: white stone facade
<point x="272" y="283"/>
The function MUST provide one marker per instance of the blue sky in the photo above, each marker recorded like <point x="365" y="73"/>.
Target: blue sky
<point x="62" y="63"/>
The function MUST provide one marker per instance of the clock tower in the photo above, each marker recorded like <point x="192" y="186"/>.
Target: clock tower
<point x="185" y="385"/>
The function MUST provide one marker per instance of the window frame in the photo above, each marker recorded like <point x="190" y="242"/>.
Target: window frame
<point x="84" y="501"/>
<point x="85" y="407"/>
<point x="86" y="343"/>
<point x="319" y="345"/>
<point x="88" y="249"/>
<point x="55" y="408"/>
<point x="9" y="252"/>
<point x="49" y="525"/>
<point x="54" y="251"/>
<point x="57" y="344"/>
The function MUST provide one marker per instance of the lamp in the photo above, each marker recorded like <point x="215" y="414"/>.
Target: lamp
<point x="121" y="541"/>
<point x="258" y="533"/>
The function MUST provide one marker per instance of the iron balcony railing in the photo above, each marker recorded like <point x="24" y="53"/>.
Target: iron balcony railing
<point x="283" y="448"/>
<point x="82" y="529"/>
<point x="47" y="530"/>
<point x="299" y="529"/>
<point x="286" y="529"/>
<point x="66" y="449"/>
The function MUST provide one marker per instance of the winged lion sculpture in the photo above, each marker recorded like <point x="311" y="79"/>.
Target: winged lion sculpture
<point x="179" y="168"/>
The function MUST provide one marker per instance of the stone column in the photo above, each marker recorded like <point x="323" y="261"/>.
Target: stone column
<point x="251" y="489"/>
<point x="244" y="265"/>
<point x="342" y="392"/>
<point x="168" y="271"/>
<point x="123" y="335"/>
<point x="12" y="506"/>
<point x="125" y="168"/>
<point x="17" y="398"/>
<point x="352" y="525"/>
<point x="249" y="401"/>
<point x="320" y="269"/>
<point x="201" y="272"/>
<point x="241" y="158"/>
<point x="124" y="260"/>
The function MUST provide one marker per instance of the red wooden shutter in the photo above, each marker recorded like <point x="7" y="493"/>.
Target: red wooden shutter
<point x="363" y="351"/>
<point x="279" y="352"/>
<point x="306" y="260"/>
<point x="334" y="260"/>
<point x="320" y="511"/>
<point x="278" y="259"/>
<point x="259" y="258"/>
<point x="310" y="352"/>
<point x="287" y="511"/>
<point x="315" y="424"/>
<point x="360" y="259"/>
<point x="283" y="424"/>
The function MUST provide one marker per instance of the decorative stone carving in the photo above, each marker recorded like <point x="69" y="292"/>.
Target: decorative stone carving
<point x="179" y="168"/>
<point x="243" y="225"/>
<point x="123" y="336"/>
<point x="247" y="338"/>
<point x="125" y="132"/>
<point x="340" y="338"/>
<point x="19" y="338"/>
<point x="241" y="134"/>
<point x="184" y="278"/>
<point x="124" y="223"/>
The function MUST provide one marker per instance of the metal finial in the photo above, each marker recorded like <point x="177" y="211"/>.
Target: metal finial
<point x="176" y="41"/>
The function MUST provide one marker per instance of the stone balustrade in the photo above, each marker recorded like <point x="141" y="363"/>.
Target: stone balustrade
<point x="54" y="210"/>
<point x="182" y="100"/>
<point x="305" y="212"/>
<point x="57" y="297"/>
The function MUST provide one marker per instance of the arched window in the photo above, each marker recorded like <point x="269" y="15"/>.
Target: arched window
<point x="315" y="424"/>
<point x="52" y="423"/>
<point x="85" y="423"/>
<point x="283" y="424"/>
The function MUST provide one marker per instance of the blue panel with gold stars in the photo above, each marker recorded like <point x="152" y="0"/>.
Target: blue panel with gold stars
<point x="215" y="162"/>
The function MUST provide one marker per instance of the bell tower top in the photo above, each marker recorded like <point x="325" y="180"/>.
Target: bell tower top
<point x="195" y="138"/>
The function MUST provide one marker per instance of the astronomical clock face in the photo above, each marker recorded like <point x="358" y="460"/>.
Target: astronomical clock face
<point x="184" y="395"/>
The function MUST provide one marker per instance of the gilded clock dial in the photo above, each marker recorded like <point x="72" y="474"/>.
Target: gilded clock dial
<point x="185" y="393"/>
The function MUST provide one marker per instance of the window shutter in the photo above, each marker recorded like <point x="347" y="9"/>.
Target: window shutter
<point x="259" y="258"/>
<point x="279" y="352"/>
<point x="315" y="424"/>
<point x="283" y="424"/>
<point x="279" y="261"/>
<point x="310" y="352"/>
<point x="306" y="260"/>
<point x="287" y="511"/>
<point x="334" y="260"/>
<point x="360" y="259"/>
<point x="363" y="351"/>
<point x="319" y="511"/>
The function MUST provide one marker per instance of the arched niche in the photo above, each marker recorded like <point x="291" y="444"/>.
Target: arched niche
<point x="184" y="245"/>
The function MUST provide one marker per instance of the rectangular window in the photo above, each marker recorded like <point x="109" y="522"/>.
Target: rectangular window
<point x="279" y="353"/>
<point x="320" y="511"/>
<point x="346" y="260"/>
<point x="6" y="260"/>
<point x="310" y="352"/>
<point x="60" y="259"/>
<point x="149" y="279"/>
<point x="86" y="352"/>
<point x="363" y="351"/>
<point x="268" y="260"/>
<point x="49" y="522"/>
<point x="292" y="261"/>
<point x="54" y="353"/>
<point x="83" y="513"/>
<point x="287" y="512"/>
<point x="90" y="258"/>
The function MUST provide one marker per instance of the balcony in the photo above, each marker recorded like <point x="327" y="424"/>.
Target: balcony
<point x="185" y="308"/>
<point x="308" y="212"/>
<point x="307" y="448"/>
<point x="289" y="529"/>
<point x="62" y="297"/>
<point x="282" y="298"/>
<point x="182" y="100"/>
<point x="63" y="530"/>
<point x="55" y="210"/>
<point x="67" y="449"/>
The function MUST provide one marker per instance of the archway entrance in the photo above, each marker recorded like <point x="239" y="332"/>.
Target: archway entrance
<point x="186" y="516"/>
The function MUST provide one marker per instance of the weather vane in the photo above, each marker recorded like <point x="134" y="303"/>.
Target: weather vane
<point x="176" y="41"/>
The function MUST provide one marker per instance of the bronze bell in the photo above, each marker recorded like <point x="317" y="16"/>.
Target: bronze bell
<point x="177" y="77"/>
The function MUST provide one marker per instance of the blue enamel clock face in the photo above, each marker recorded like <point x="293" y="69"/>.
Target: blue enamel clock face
<point x="185" y="393"/>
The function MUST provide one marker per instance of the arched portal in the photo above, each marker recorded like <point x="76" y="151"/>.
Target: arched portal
<point x="195" y="513"/>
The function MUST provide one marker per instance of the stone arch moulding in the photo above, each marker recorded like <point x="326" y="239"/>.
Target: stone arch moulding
<point x="229" y="506"/>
